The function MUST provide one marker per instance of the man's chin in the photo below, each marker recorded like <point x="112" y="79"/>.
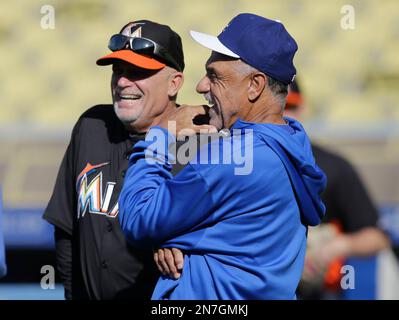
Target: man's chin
<point x="125" y="115"/>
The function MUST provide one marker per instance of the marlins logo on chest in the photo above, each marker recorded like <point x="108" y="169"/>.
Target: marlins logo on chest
<point x="91" y="197"/>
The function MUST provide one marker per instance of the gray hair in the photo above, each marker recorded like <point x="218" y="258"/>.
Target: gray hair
<point x="278" y="89"/>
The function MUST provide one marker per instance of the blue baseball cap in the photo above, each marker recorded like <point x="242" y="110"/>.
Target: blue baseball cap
<point x="260" y="42"/>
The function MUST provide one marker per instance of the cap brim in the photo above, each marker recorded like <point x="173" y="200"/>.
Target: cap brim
<point x="213" y="43"/>
<point x="131" y="57"/>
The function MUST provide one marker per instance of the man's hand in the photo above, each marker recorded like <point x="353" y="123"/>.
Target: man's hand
<point x="169" y="262"/>
<point x="325" y="244"/>
<point x="187" y="120"/>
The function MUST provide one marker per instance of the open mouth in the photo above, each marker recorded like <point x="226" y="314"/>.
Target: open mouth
<point x="128" y="96"/>
<point x="215" y="115"/>
<point x="210" y="99"/>
<point x="215" y="110"/>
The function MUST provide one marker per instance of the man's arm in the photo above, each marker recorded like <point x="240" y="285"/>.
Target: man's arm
<point x="153" y="207"/>
<point x="60" y="211"/>
<point x="359" y="216"/>
<point x="63" y="247"/>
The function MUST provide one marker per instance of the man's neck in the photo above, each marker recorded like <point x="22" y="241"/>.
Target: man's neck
<point x="275" y="118"/>
<point x="265" y="113"/>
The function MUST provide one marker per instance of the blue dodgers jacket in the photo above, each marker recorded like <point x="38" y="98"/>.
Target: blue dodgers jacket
<point x="243" y="234"/>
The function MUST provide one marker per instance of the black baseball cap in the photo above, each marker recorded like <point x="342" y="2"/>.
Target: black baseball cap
<point x="162" y="46"/>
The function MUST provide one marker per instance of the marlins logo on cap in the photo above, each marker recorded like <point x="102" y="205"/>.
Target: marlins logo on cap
<point x="132" y="30"/>
<point x="158" y="46"/>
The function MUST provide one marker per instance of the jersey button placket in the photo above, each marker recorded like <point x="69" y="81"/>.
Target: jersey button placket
<point x="109" y="227"/>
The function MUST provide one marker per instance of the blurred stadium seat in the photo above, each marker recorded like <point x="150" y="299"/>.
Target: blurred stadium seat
<point x="57" y="73"/>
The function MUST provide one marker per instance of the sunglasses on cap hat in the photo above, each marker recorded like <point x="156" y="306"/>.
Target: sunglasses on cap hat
<point x="141" y="46"/>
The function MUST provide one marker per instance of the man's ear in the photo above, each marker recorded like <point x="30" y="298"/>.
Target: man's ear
<point x="257" y="84"/>
<point x="176" y="80"/>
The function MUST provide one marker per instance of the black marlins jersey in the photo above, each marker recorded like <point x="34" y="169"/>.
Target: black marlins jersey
<point x="84" y="204"/>
<point x="346" y="198"/>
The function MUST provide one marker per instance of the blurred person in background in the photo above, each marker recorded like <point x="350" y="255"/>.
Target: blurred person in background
<point x="3" y="266"/>
<point x="349" y="228"/>
<point x="94" y="259"/>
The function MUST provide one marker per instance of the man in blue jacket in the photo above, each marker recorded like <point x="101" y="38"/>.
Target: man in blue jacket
<point x="243" y="232"/>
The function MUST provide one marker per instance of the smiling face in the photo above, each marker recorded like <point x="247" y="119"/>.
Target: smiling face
<point x="139" y="95"/>
<point x="225" y="87"/>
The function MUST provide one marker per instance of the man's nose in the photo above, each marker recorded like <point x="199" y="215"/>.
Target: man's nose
<point x="203" y="85"/>
<point x="123" y="81"/>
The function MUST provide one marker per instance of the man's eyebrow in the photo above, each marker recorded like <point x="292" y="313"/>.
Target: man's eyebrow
<point x="210" y="69"/>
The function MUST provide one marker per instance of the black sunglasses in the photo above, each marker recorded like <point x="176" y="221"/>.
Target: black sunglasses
<point x="141" y="46"/>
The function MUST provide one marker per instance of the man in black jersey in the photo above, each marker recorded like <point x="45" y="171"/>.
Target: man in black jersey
<point x="349" y="228"/>
<point x="93" y="258"/>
